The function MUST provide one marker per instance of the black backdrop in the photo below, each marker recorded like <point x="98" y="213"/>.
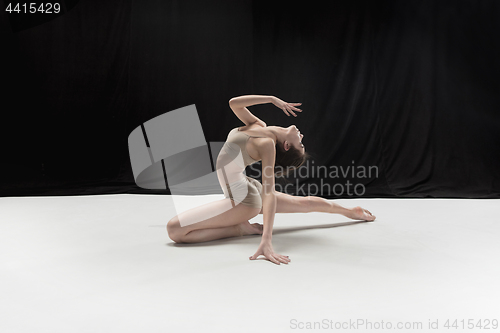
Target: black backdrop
<point x="411" y="87"/>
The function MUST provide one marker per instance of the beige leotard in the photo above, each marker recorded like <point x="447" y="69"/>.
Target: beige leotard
<point x="231" y="163"/>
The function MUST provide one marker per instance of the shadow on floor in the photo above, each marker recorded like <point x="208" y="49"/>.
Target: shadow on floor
<point x="276" y="231"/>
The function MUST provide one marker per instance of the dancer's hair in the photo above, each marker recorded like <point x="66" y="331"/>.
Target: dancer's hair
<point x="287" y="161"/>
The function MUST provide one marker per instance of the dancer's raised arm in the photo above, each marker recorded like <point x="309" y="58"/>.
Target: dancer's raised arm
<point x="239" y="106"/>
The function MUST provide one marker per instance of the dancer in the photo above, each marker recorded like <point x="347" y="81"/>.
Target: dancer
<point x="281" y="150"/>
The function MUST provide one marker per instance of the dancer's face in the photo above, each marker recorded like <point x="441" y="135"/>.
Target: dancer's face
<point x="293" y="138"/>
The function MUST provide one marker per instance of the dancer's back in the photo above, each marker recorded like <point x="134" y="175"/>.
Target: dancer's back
<point x="231" y="163"/>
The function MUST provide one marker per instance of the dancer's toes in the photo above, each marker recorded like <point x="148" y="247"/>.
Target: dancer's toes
<point x="358" y="213"/>
<point x="259" y="227"/>
<point x="250" y="229"/>
<point x="370" y="216"/>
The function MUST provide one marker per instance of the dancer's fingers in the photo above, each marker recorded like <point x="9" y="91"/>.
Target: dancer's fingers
<point x="273" y="259"/>
<point x="255" y="256"/>
<point x="283" y="260"/>
<point x="286" y="258"/>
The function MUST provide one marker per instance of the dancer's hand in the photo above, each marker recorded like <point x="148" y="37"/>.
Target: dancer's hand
<point x="266" y="249"/>
<point x="286" y="107"/>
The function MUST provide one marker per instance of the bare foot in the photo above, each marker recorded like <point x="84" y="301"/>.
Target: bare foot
<point x="358" y="213"/>
<point x="250" y="229"/>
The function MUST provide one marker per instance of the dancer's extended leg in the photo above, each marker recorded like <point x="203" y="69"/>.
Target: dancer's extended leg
<point x="296" y="204"/>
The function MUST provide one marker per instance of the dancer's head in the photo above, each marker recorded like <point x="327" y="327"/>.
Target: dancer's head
<point x="290" y="152"/>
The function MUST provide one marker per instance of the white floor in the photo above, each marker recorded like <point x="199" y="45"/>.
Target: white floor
<point x="106" y="264"/>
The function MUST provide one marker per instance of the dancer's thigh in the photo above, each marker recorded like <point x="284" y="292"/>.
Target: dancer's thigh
<point x="215" y="214"/>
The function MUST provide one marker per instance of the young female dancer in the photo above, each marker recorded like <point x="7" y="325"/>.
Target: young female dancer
<point x="280" y="149"/>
